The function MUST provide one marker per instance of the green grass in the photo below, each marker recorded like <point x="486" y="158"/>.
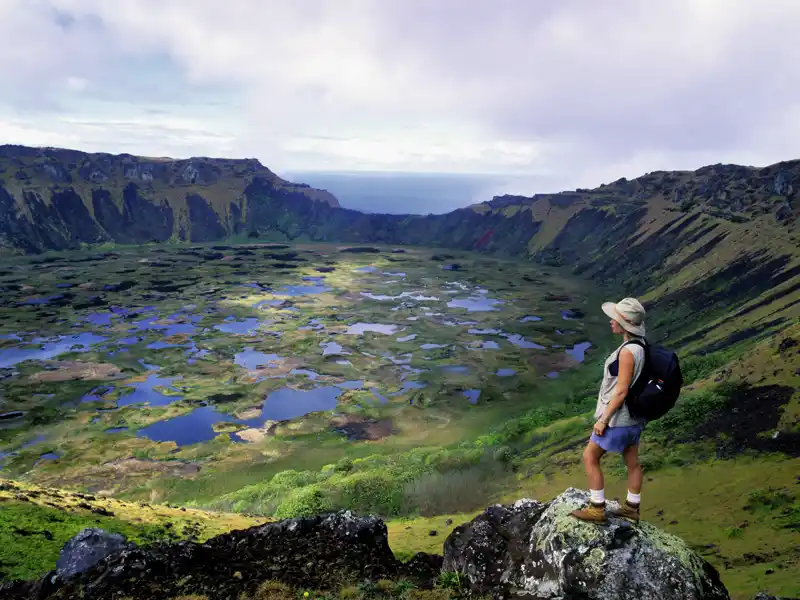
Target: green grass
<point x="31" y="536"/>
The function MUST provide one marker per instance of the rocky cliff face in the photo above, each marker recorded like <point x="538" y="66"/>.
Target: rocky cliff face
<point x="52" y="199"/>
<point x="527" y="550"/>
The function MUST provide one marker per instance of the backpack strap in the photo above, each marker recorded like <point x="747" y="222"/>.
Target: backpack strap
<point x="640" y="382"/>
<point x="642" y="343"/>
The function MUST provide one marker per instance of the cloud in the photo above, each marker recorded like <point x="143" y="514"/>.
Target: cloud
<point x="576" y="91"/>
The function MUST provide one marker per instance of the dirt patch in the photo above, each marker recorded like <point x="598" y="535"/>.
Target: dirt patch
<point x="255" y="435"/>
<point x="250" y="413"/>
<point x="357" y="427"/>
<point x="77" y="371"/>
<point x="750" y="420"/>
<point x="277" y="368"/>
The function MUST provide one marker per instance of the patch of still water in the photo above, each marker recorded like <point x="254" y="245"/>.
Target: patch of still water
<point x="280" y="405"/>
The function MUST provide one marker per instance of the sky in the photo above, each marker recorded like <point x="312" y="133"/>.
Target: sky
<point x="567" y="93"/>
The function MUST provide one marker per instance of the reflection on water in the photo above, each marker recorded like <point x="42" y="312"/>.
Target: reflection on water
<point x="578" y="351"/>
<point x="361" y="328"/>
<point x="253" y="359"/>
<point x="244" y="327"/>
<point x="302" y="290"/>
<point x="280" y="405"/>
<point x="521" y="342"/>
<point x="475" y="303"/>
<point x="144" y="392"/>
<point x="472" y="395"/>
<point x="48" y="348"/>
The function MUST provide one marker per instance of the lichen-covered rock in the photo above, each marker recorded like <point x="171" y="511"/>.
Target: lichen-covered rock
<point x="765" y="596"/>
<point x="86" y="549"/>
<point x="540" y="551"/>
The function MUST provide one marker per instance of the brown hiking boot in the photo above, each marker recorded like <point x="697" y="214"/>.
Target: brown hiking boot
<point x="626" y="511"/>
<point x="594" y="513"/>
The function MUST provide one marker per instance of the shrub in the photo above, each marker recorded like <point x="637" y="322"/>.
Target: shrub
<point x="303" y="502"/>
<point x="769" y="500"/>
<point x="698" y="366"/>
<point x="449" y="580"/>
<point x="368" y="492"/>
<point x="734" y="532"/>
<point x="272" y="590"/>
<point x="692" y="409"/>
<point x="438" y="493"/>
<point x="349" y="592"/>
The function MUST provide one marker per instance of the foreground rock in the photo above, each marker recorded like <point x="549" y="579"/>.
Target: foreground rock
<point x="538" y="551"/>
<point x="529" y="550"/>
<point x="316" y="552"/>
<point x="86" y="549"/>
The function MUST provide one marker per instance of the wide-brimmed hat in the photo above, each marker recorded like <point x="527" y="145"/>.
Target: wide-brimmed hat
<point x="629" y="313"/>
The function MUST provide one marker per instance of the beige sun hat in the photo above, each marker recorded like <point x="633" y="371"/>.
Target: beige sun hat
<point x="629" y="313"/>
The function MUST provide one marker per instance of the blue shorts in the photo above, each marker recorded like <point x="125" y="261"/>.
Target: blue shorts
<point x="618" y="439"/>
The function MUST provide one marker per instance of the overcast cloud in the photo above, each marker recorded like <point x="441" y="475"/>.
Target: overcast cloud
<point x="575" y="92"/>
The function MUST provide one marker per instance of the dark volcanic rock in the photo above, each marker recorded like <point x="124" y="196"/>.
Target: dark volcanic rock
<point x="539" y="551"/>
<point x="316" y="552"/>
<point x="86" y="549"/>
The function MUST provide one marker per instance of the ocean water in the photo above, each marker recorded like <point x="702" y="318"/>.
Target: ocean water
<point x="415" y="193"/>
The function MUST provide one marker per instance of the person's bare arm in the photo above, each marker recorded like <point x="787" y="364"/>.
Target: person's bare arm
<point x="624" y="379"/>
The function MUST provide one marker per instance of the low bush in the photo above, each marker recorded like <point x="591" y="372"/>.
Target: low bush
<point x="697" y="367"/>
<point x="304" y="502"/>
<point x="450" y="492"/>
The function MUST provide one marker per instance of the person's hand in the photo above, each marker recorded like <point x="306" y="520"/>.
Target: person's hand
<point x="600" y="428"/>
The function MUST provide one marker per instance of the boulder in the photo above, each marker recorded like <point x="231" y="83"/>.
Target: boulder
<point x="539" y="551"/>
<point x="86" y="549"/>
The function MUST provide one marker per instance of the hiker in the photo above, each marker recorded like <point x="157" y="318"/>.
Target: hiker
<point x="616" y="430"/>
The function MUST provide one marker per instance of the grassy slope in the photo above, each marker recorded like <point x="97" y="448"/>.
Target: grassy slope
<point x="35" y="522"/>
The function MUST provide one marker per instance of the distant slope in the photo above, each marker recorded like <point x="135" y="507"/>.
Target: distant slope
<point x="53" y="199"/>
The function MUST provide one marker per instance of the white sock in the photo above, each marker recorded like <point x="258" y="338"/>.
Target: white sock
<point x="634" y="498"/>
<point x="597" y="496"/>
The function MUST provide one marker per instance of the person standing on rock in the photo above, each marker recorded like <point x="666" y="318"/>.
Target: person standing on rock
<point x="616" y="430"/>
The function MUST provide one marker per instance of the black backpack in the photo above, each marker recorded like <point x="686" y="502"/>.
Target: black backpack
<point x="657" y="389"/>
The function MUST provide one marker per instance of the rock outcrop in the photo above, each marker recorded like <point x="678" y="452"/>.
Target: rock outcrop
<point x="87" y="549"/>
<point x="538" y="551"/>
<point x="315" y="552"/>
<point x="527" y="550"/>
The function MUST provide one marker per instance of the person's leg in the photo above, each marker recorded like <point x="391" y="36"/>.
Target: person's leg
<point x="635" y="475"/>
<point x="596" y="511"/>
<point x="630" y="508"/>
<point x="591" y="461"/>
